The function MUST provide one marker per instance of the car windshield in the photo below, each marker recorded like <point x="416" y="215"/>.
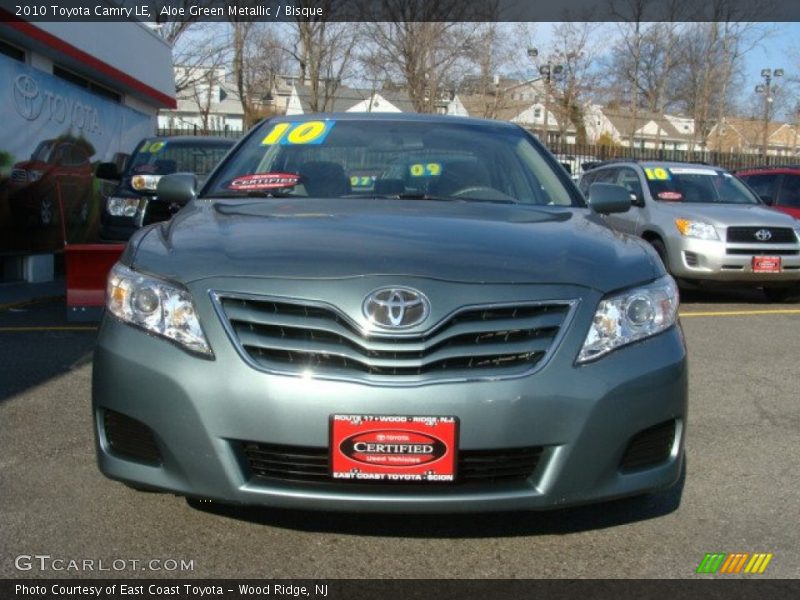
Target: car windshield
<point x="163" y="157"/>
<point x="42" y="151"/>
<point x="384" y="158"/>
<point x="697" y="184"/>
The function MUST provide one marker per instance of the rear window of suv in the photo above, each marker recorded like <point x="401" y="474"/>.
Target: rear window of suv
<point x="696" y="185"/>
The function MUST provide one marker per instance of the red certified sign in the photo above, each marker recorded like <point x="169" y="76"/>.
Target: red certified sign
<point x="766" y="264"/>
<point x="264" y="181"/>
<point x="393" y="448"/>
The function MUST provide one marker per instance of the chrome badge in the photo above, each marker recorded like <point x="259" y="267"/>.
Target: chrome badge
<point x="396" y="307"/>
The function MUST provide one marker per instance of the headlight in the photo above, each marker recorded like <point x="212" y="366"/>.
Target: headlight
<point x="156" y="306"/>
<point x="696" y="229"/>
<point x="631" y="316"/>
<point x="122" y="207"/>
<point x="145" y="182"/>
<point x="35" y="175"/>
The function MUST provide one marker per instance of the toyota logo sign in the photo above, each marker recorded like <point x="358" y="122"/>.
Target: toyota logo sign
<point x="396" y="307"/>
<point x="763" y="235"/>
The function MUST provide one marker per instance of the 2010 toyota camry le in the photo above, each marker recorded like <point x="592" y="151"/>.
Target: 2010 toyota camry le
<point x="401" y="313"/>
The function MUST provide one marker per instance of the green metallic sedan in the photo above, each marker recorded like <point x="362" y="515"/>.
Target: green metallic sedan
<point x="398" y="313"/>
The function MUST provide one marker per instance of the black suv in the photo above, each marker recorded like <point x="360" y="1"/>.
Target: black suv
<point x="133" y="202"/>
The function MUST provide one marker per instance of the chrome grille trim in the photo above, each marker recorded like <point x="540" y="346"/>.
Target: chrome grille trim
<point x="267" y="330"/>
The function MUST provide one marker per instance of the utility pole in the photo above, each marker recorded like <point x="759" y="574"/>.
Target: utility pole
<point x="766" y="89"/>
<point x="549" y="71"/>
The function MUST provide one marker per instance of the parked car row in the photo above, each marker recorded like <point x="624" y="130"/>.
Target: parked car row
<point x="708" y="226"/>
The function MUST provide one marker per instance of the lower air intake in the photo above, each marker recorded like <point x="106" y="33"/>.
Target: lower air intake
<point x="130" y="438"/>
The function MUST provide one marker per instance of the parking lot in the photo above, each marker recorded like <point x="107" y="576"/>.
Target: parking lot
<point x="740" y="492"/>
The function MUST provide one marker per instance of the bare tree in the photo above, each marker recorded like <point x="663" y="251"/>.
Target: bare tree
<point x="196" y="46"/>
<point x="419" y="49"/>
<point x="574" y="49"/>
<point x="323" y="51"/>
<point x="710" y="60"/>
<point x="491" y="53"/>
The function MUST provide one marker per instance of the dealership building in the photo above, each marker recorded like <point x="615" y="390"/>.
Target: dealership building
<point x="71" y="95"/>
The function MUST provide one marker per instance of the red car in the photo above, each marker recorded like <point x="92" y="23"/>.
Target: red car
<point x="778" y="187"/>
<point x="59" y="170"/>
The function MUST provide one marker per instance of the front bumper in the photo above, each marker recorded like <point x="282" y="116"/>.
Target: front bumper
<point x="199" y="412"/>
<point x="691" y="258"/>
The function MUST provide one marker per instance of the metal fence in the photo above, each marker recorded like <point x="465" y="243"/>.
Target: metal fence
<point x="586" y="153"/>
<point x="198" y="130"/>
<point x="576" y="154"/>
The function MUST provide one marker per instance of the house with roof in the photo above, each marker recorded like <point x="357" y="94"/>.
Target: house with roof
<point x="210" y="104"/>
<point x="645" y="129"/>
<point x="348" y="99"/>
<point x="735" y="135"/>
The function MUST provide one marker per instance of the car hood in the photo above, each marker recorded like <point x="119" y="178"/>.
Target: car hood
<point x="726" y="215"/>
<point x="454" y="241"/>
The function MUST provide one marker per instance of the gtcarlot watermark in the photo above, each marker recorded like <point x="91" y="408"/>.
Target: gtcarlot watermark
<point x="45" y="562"/>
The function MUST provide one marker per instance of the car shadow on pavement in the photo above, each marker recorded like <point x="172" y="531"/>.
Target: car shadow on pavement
<point x="723" y="295"/>
<point x="37" y="344"/>
<point x="468" y="525"/>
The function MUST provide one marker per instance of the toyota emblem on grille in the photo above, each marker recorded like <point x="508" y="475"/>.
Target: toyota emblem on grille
<point x="763" y="235"/>
<point x="396" y="307"/>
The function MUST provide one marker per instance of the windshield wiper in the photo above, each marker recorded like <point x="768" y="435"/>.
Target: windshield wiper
<point x="426" y="196"/>
<point x="251" y="194"/>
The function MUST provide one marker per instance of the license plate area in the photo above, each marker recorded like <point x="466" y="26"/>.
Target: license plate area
<point x="393" y="448"/>
<point x="766" y="264"/>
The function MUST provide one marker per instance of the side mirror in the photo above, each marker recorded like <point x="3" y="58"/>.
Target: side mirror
<point x="107" y="170"/>
<point x="178" y="188"/>
<point x="607" y="198"/>
<point x="768" y="200"/>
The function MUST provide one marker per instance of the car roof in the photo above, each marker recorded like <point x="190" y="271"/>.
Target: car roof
<point x="397" y="117"/>
<point x="777" y="170"/>
<point x="185" y="139"/>
<point x="654" y="163"/>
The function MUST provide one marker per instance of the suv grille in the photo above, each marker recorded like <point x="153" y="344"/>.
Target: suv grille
<point x="19" y="175"/>
<point x="747" y="235"/>
<point x="288" y="337"/>
<point x="304" y="464"/>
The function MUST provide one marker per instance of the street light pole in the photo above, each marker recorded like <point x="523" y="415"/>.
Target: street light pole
<point x="766" y="89"/>
<point x="548" y="71"/>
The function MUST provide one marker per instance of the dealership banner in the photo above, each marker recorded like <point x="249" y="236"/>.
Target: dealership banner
<point x="395" y="589"/>
<point x="54" y="134"/>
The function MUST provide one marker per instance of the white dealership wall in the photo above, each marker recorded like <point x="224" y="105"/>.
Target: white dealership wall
<point x="125" y="58"/>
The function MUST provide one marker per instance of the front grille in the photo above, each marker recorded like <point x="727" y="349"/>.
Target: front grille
<point x="747" y="235"/>
<point x="762" y="251"/>
<point x="19" y="175"/>
<point x="284" y="336"/>
<point x="130" y="438"/>
<point x="308" y="464"/>
<point x="649" y="447"/>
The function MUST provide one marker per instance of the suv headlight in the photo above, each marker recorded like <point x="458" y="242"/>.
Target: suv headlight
<point x="156" y="306"/>
<point x="145" y="182"/>
<point x="696" y="229"/>
<point x="631" y="316"/>
<point x="122" y="207"/>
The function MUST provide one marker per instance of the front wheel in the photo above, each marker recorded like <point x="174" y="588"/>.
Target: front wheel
<point x="661" y="250"/>
<point x="783" y="294"/>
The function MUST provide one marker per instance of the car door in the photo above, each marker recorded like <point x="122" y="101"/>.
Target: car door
<point x="628" y="222"/>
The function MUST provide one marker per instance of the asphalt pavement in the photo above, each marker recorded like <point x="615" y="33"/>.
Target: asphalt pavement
<point x="740" y="492"/>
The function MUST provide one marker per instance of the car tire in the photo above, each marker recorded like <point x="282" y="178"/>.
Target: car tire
<point x="783" y="294"/>
<point x="661" y="250"/>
